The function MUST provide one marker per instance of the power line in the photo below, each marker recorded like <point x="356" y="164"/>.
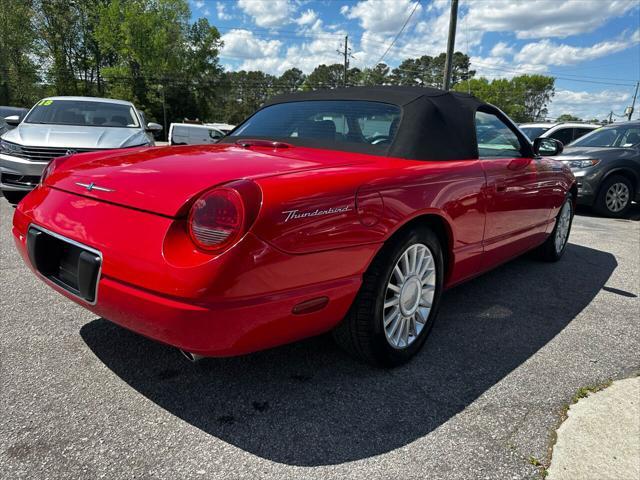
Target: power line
<point x="561" y="77"/>
<point x="400" y="32"/>
<point x="418" y="54"/>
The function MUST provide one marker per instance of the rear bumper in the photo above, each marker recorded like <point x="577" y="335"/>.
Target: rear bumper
<point x="236" y="303"/>
<point x="18" y="174"/>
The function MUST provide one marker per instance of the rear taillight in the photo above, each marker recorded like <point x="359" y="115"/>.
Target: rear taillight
<point x="53" y="164"/>
<point x="217" y="219"/>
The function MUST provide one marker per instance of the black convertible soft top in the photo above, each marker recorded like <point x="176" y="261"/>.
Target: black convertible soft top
<point x="435" y="124"/>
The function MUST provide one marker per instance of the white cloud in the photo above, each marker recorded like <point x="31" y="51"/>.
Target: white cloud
<point x="501" y="49"/>
<point x="491" y="66"/>
<point x="221" y="12"/>
<point x="199" y="4"/>
<point x="588" y="105"/>
<point x="244" y="45"/>
<point x="307" y="18"/>
<point x="381" y="16"/>
<point x="320" y="49"/>
<point x="268" y="13"/>
<point x="545" y="18"/>
<point x="546" y="52"/>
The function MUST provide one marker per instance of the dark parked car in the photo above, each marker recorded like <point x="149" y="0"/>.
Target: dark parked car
<point x="606" y="164"/>
<point x="9" y="112"/>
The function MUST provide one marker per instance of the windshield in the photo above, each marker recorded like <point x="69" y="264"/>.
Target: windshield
<point x="533" y="132"/>
<point x="84" y="113"/>
<point x="626" y="136"/>
<point x="338" y="122"/>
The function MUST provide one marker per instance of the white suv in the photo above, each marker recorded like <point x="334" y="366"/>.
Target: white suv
<point x="566" y="132"/>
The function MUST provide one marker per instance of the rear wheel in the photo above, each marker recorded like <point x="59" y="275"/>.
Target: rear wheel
<point x="14" y="197"/>
<point x="614" y="197"/>
<point x="397" y="304"/>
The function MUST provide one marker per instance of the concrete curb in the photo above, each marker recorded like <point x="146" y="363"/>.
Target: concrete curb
<point x="600" y="439"/>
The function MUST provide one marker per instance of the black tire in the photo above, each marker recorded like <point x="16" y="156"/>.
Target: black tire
<point x="14" y="197"/>
<point x="548" y="250"/>
<point x="362" y="333"/>
<point x="600" y="204"/>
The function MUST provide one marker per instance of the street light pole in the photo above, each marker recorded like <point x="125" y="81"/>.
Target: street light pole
<point x="453" y="18"/>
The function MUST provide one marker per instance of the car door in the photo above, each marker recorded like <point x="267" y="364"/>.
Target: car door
<point x="564" y="134"/>
<point x="214" y="135"/>
<point x="579" y="132"/>
<point x="516" y="207"/>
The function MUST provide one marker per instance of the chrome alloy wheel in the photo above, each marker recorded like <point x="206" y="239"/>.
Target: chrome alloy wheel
<point x="617" y="197"/>
<point x="562" y="228"/>
<point x="409" y="296"/>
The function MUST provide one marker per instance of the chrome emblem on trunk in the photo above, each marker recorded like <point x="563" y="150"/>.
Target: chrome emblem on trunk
<point x="92" y="186"/>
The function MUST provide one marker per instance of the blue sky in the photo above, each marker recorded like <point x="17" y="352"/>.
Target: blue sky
<point x="592" y="47"/>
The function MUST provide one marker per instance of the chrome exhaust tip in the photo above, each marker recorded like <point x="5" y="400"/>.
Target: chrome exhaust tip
<point x="192" y="357"/>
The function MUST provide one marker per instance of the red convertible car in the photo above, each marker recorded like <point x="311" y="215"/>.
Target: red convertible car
<point x="348" y="210"/>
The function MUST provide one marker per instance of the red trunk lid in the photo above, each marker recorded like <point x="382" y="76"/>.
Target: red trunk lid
<point x="162" y="180"/>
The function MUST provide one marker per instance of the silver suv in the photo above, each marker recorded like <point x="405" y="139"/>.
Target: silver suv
<point x="566" y="132"/>
<point x="58" y="126"/>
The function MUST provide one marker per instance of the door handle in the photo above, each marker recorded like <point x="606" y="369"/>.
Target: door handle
<point x="500" y="184"/>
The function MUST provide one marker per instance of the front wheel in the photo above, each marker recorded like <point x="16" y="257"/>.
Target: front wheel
<point x="614" y="197"/>
<point x="398" y="301"/>
<point x="554" y="246"/>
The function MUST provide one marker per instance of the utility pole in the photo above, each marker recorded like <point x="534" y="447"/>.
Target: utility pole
<point x="164" y="114"/>
<point x="453" y="18"/>
<point x="633" y="104"/>
<point x="346" y="54"/>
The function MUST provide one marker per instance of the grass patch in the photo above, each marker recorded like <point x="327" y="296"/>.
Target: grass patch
<point x="584" y="392"/>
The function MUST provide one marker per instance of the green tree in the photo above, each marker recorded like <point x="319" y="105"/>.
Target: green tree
<point x="331" y="76"/>
<point x="378" y="75"/>
<point x="19" y="74"/>
<point x="535" y="92"/>
<point x="566" y="117"/>
<point x="429" y="71"/>
<point x="523" y="98"/>
<point x="246" y="92"/>
<point x="157" y="59"/>
<point x="290" y="81"/>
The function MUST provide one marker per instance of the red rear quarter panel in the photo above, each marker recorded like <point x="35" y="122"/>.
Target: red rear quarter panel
<point x="376" y="199"/>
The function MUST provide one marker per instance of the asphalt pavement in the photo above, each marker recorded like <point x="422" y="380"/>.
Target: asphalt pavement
<point x="83" y="398"/>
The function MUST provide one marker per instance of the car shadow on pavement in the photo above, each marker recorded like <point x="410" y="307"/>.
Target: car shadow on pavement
<point x="309" y="404"/>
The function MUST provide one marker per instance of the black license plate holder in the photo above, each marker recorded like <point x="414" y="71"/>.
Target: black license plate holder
<point x="65" y="262"/>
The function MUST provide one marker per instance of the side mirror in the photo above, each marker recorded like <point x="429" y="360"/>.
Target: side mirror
<point x="547" y="147"/>
<point x="154" y="127"/>
<point x="13" y="120"/>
